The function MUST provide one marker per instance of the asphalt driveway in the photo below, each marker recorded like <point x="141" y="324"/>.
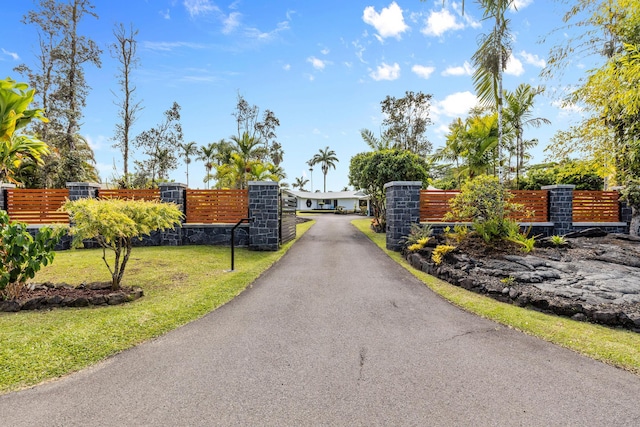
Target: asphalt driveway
<point x="337" y="334"/>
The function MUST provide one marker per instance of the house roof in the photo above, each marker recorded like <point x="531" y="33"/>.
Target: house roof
<point x="330" y="195"/>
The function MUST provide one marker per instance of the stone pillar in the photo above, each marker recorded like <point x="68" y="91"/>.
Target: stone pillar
<point x="263" y="210"/>
<point x="403" y="209"/>
<point x="561" y="207"/>
<point x="173" y="192"/>
<point x="3" y="196"/>
<point x="82" y="190"/>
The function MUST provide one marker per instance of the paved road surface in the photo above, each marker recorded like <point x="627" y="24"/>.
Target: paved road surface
<point x="336" y="334"/>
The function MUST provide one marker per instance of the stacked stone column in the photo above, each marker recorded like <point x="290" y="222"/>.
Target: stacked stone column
<point x="173" y="192"/>
<point x="561" y="207"/>
<point x="263" y="210"/>
<point x="403" y="209"/>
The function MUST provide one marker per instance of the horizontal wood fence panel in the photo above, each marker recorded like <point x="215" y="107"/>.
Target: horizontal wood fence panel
<point x="37" y="206"/>
<point x="130" y="194"/>
<point x="216" y="206"/>
<point x="434" y="204"/>
<point x="596" y="206"/>
<point x="536" y="205"/>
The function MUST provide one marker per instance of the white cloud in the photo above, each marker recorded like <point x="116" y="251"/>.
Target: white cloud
<point x="13" y="55"/>
<point x="359" y="51"/>
<point x="231" y="22"/>
<point x="256" y="34"/>
<point x="197" y="7"/>
<point x="463" y="70"/>
<point x="532" y="59"/>
<point x="166" y="14"/>
<point x="514" y="67"/>
<point x="169" y="46"/>
<point x="318" y="64"/>
<point x="286" y="67"/>
<point x="386" y="72"/>
<point x="520" y="4"/>
<point x="457" y="104"/>
<point x="389" y="22"/>
<point x="325" y="51"/>
<point x="439" y="23"/>
<point x="423" y="71"/>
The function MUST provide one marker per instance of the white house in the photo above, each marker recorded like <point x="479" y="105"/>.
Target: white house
<point x="348" y="200"/>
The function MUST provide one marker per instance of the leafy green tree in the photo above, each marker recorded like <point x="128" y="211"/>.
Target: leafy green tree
<point x="116" y="223"/>
<point x="575" y="172"/>
<point x="22" y="255"/>
<point x="406" y="121"/>
<point x="370" y="171"/>
<point x="159" y="144"/>
<point x="326" y="159"/>
<point x="15" y="114"/>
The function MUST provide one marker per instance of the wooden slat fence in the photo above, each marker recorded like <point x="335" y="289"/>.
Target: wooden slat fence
<point x="596" y="206"/>
<point x="216" y="206"/>
<point x="434" y="204"/>
<point x="37" y="206"/>
<point x="130" y="194"/>
<point x="536" y="205"/>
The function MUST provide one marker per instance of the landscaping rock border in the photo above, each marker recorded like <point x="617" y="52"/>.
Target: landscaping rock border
<point x="551" y="281"/>
<point x="47" y="296"/>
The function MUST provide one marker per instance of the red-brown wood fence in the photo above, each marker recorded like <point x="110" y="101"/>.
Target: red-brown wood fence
<point x="434" y="204"/>
<point x="536" y="205"/>
<point x="135" y="194"/>
<point x="216" y="206"/>
<point x="39" y="206"/>
<point x="596" y="206"/>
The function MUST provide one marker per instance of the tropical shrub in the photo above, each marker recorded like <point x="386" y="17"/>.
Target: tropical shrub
<point x="115" y="223"/>
<point x="486" y="203"/>
<point x="22" y="255"/>
<point x="438" y="254"/>
<point x="15" y="115"/>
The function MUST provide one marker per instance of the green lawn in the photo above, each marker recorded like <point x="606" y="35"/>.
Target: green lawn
<point x="180" y="284"/>
<point x="617" y="347"/>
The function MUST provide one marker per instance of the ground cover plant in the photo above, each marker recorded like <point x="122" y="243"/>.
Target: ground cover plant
<point x="181" y="284"/>
<point x="616" y="347"/>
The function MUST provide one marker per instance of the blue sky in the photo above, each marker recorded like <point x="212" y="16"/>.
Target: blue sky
<point x="322" y="67"/>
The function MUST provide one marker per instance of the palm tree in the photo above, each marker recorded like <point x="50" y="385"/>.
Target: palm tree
<point x="454" y="146"/>
<point x="207" y="153"/>
<point x="188" y="150"/>
<point x="491" y="60"/>
<point x="300" y="183"/>
<point x="327" y="159"/>
<point x="310" y="164"/>
<point x="276" y="153"/>
<point x="480" y="140"/>
<point x="376" y="144"/>
<point x="518" y="114"/>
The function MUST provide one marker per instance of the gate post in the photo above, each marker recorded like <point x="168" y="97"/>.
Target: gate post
<point x="403" y="209"/>
<point x="263" y="210"/>
<point x="173" y="192"/>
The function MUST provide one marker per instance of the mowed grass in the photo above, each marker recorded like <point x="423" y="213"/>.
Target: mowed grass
<point x="616" y="347"/>
<point x="180" y="284"/>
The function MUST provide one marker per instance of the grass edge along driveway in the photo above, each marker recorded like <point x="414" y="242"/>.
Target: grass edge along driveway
<point x="181" y="284"/>
<point x="617" y="347"/>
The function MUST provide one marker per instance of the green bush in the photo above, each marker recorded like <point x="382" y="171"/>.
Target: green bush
<point x="22" y="255"/>
<point x="486" y="202"/>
